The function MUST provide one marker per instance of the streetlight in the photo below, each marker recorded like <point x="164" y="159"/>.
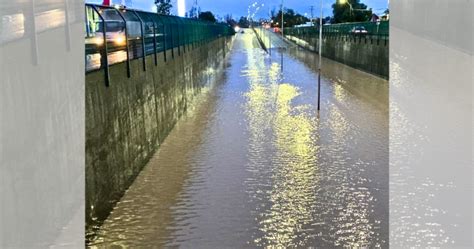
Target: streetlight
<point x="342" y="2"/>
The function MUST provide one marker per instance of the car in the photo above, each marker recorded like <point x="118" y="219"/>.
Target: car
<point x="359" y="30"/>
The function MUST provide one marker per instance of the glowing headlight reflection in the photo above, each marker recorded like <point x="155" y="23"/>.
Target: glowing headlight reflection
<point x="98" y="41"/>
<point x="119" y="40"/>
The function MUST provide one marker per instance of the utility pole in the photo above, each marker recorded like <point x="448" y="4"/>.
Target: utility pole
<point x="320" y="51"/>
<point x="270" y="32"/>
<point x="312" y="17"/>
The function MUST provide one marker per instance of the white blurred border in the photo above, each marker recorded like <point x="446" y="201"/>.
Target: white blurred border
<point x="431" y="132"/>
<point x="42" y="124"/>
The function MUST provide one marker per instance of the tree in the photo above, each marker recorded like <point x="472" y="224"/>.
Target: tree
<point x="194" y="12"/>
<point x="342" y="12"/>
<point x="163" y="7"/>
<point x="327" y="20"/>
<point x="229" y="20"/>
<point x="243" y="22"/>
<point x="290" y="18"/>
<point x="207" y="16"/>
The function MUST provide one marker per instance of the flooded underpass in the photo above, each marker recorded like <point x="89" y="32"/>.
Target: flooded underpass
<point x="253" y="163"/>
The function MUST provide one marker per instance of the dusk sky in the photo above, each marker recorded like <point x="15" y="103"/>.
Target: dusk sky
<point x="239" y="7"/>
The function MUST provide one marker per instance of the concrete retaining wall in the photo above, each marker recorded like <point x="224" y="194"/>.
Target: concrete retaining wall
<point x="365" y="53"/>
<point x="127" y="121"/>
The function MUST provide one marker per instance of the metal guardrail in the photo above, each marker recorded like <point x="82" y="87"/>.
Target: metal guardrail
<point x="120" y="35"/>
<point x="378" y="30"/>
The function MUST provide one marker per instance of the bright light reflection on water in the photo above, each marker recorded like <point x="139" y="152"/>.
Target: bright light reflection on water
<point x="253" y="165"/>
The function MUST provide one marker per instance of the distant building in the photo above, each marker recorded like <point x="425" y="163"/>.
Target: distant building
<point x="307" y="24"/>
<point x="375" y="18"/>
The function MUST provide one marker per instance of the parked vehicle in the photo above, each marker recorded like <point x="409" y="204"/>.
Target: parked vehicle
<point x="359" y="30"/>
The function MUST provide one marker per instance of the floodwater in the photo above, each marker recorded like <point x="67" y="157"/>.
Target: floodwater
<point x="253" y="164"/>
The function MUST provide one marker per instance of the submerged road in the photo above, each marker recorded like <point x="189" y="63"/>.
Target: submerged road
<point x="252" y="163"/>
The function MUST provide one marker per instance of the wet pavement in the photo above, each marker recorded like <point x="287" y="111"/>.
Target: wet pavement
<point x="253" y="164"/>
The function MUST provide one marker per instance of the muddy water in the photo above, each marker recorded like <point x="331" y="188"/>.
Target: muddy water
<point x="253" y="164"/>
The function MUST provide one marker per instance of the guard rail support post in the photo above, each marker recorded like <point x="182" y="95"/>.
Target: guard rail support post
<point x="126" y="43"/>
<point x="104" y="51"/>
<point x="143" y="40"/>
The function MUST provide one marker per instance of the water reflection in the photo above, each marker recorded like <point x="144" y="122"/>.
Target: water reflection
<point x="50" y="19"/>
<point x="321" y="191"/>
<point x="295" y="174"/>
<point x="266" y="170"/>
<point x="93" y="61"/>
<point x="420" y="213"/>
<point x="12" y="27"/>
<point x="271" y="117"/>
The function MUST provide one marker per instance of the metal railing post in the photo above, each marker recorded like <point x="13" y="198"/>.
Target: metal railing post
<point x="32" y="29"/>
<point x="154" y="43"/>
<point x="193" y="36"/>
<point x="143" y="39"/>
<point x="127" y="45"/>
<point x="172" y="42"/>
<point x="104" y="51"/>
<point x="184" y="40"/>
<point x="164" y="42"/>
<point x="67" y="28"/>
<point x="179" y="41"/>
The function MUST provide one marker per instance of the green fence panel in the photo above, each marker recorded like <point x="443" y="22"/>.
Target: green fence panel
<point x="378" y="29"/>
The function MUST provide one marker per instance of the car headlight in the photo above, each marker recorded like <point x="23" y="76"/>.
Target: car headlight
<point x="119" y="40"/>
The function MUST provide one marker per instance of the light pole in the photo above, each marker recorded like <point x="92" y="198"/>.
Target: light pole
<point x="344" y="2"/>
<point x="350" y="6"/>
<point x="282" y="34"/>
<point x="320" y="46"/>
<point x="270" y="23"/>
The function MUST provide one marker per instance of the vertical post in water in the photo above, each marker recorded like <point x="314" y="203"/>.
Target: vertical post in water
<point x="67" y="26"/>
<point x="270" y="42"/>
<point x="281" y="56"/>
<point x="270" y="32"/>
<point x="32" y="30"/>
<point x="320" y="45"/>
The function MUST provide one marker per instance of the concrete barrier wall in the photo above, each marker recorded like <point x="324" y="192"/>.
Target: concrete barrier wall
<point x="127" y="121"/>
<point x="365" y="53"/>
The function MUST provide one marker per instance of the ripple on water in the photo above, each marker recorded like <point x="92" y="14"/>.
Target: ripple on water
<point x="255" y="166"/>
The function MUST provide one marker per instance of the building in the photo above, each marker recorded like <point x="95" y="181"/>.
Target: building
<point x="307" y="24"/>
